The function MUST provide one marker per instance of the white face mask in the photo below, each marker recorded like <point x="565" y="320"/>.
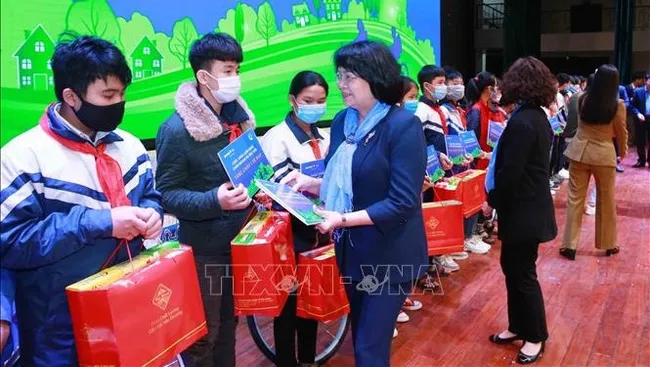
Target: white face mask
<point x="456" y="92"/>
<point x="229" y="88"/>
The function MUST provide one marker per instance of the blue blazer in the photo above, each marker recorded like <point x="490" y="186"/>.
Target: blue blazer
<point x="622" y="94"/>
<point x="638" y="102"/>
<point x="388" y="169"/>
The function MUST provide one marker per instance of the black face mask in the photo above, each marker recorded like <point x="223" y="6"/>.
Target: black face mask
<point x="101" y="118"/>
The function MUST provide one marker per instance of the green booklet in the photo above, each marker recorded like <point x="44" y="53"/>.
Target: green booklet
<point x="295" y="203"/>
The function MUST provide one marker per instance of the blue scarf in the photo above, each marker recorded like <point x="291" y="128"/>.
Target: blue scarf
<point x="336" y="187"/>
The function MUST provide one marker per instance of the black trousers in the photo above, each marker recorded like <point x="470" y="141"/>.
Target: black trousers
<point x="217" y="349"/>
<point x="285" y="328"/>
<point x="557" y="152"/>
<point x="642" y="133"/>
<point x="526" y="314"/>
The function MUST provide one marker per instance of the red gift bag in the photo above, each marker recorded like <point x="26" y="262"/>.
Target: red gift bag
<point x="470" y="190"/>
<point x="140" y="313"/>
<point x="443" y="223"/>
<point x="321" y="294"/>
<point x="263" y="263"/>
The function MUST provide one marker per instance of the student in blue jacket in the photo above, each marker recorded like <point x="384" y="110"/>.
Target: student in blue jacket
<point x="8" y="326"/>
<point x="371" y="190"/>
<point x="61" y="220"/>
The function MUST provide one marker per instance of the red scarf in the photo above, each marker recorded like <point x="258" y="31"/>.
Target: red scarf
<point x="235" y="132"/>
<point x="315" y="148"/>
<point x="443" y="119"/>
<point x="463" y="118"/>
<point x="108" y="170"/>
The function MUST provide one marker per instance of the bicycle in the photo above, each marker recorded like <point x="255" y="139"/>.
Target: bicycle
<point x="261" y="329"/>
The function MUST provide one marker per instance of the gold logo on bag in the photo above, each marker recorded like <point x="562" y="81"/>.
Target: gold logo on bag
<point x="250" y="275"/>
<point x="162" y="296"/>
<point x="433" y="223"/>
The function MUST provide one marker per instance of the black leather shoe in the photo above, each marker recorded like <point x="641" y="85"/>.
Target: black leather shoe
<point x="612" y="251"/>
<point x="568" y="253"/>
<point x="526" y="359"/>
<point x="494" y="338"/>
<point x="639" y="165"/>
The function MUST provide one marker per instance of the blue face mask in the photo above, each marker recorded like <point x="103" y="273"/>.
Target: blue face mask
<point x="410" y="105"/>
<point x="440" y="92"/>
<point x="311" y="113"/>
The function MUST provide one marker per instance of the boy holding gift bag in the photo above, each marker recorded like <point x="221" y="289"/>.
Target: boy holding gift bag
<point x="74" y="188"/>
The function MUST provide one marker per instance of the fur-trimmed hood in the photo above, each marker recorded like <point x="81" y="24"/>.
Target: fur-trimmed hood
<point x="201" y="123"/>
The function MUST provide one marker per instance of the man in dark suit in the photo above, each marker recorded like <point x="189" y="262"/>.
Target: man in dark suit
<point x="637" y="82"/>
<point x="640" y="107"/>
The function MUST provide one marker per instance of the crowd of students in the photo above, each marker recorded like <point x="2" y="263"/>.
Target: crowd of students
<point x="62" y="214"/>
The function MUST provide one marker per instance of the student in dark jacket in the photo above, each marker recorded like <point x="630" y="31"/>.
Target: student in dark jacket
<point x="524" y="203"/>
<point x="196" y="189"/>
<point x="371" y="190"/>
<point x="640" y="107"/>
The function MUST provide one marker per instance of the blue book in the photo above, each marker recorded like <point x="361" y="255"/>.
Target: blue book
<point x="434" y="169"/>
<point x="455" y="149"/>
<point x="244" y="161"/>
<point x="295" y="203"/>
<point x="470" y="144"/>
<point x="495" y="130"/>
<point x="555" y="125"/>
<point x="314" y="169"/>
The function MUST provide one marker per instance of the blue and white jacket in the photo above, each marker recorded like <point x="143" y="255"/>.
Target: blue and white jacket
<point x="55" y="227"/>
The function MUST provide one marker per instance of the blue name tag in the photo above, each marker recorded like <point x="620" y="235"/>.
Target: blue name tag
<point x="314" y="168"/>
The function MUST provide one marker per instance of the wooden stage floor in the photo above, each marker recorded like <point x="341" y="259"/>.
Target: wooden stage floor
<point x="598" y="308"/>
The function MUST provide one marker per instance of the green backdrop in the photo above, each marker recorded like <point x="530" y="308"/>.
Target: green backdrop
<point x="279" y="39"/>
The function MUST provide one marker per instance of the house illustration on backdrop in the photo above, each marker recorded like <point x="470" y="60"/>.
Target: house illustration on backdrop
<point x="301" y="14"/>
<point x="34" y="55"/>
<point x="146" y="60"/>
<point x="333" y="10"/>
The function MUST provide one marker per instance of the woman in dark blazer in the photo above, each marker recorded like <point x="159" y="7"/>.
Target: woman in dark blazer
<point x="371" y="189"/>
<point x="520" y="172"/>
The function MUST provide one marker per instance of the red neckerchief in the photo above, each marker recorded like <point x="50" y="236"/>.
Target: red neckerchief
<point x="443" y="119"/>
<point x="463" y="117"/>
<point x="315" y="147"/>
<point x="108" y="170"/>
<point x="235" y="131"/>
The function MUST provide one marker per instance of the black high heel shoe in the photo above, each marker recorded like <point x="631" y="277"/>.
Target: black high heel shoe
<point x="526" y="359"/>
<point x="494" y="338"/>
<point x="612" y="251"/>
<point x="569" y="253"/>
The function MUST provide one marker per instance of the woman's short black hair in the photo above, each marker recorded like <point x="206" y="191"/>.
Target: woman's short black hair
<point x="373" y="62"/>
<point x="529" y="81"/>
<point x="407" y="84"/>
<point x="212" y="47"/>
<point x="306" y="79"/>
<point x="600" y="103"/>
<point x="79" y="62"/>
<point x="428" y="73"/>
<point x="478" y="84"/>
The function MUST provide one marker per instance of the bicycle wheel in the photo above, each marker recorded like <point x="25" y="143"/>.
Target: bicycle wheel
<point x="331" y="335"/>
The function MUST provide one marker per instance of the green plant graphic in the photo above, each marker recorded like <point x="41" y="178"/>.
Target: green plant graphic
<point x="265" y="25"/>
<point x="239" y="23"/>
<point x="95" y="18"/>
<point x="317" y="6"/>
<point x="183" y="35"/>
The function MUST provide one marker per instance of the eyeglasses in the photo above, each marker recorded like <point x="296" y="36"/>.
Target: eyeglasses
<point x="345" y="78"/>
